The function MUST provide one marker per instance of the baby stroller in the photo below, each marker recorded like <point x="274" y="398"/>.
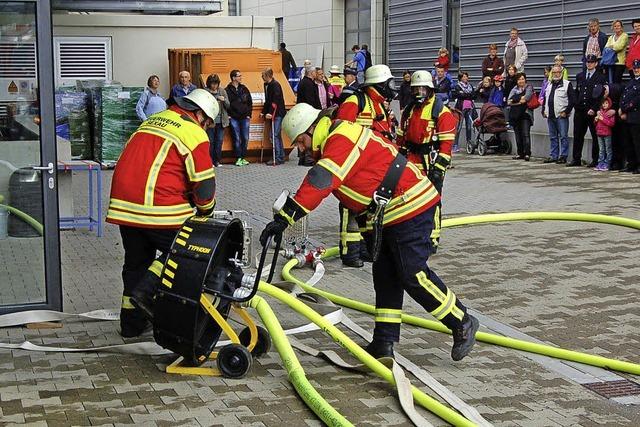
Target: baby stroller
<point x="491" y="121"/>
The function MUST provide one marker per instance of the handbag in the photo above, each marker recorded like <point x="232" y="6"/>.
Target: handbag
<point x="534" y="102"/>
<point x="609" y="56"/>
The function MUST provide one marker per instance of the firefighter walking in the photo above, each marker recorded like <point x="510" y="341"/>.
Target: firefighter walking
<point x="366" y="108"/>
<point x="163" y="174"/>
<point x="426" y="134"/>
<point x="394" y="202"/>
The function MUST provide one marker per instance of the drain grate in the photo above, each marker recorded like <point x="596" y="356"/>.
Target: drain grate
<point x="611" y="389"/>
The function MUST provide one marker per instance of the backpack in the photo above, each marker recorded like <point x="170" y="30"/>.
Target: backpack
<point x="367" y="60"/>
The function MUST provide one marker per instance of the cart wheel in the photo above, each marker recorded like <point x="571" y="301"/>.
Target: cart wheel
<point x="482" y="148"/>
<point x="264" y="341"/>
<point x="234" y="361"/>
<point x="470" y="148"/>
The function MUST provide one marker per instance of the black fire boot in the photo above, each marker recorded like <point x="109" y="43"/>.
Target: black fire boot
<point x="132" y="323"/>
<point x="142" y="297"/>
<point x="352" y="257"/>
<point x="378" y="348"/>
<point x="464" y="337"/>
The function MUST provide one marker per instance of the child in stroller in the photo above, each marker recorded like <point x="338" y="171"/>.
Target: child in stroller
<point x="491" y="121"/>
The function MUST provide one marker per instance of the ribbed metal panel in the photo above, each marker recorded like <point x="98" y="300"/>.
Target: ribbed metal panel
<point x="415" y="34"/>
<point x="548" y="27"/>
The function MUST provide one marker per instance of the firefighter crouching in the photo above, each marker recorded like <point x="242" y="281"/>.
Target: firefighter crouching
<point x="394" y="202"/>
<point x="163" y="173"/>
<point x="366" y="108"/>
<point x="426" y="133"/>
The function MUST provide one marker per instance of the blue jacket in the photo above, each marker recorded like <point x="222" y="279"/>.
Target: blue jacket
<point x="149" y="103"/>
<point x="178" y="90"/>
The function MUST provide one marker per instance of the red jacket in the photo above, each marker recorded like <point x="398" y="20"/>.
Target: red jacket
<point x="373" y="115"/>
<point x="634" y="50"/>
<point x="164" y="171"/>
<point x="419" y="129"/>
<point x="357" y="160"/>
<point x="605" y="124"/>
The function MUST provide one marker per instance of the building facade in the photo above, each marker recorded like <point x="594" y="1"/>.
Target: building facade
<point x="324" y="31"/>
<point x="418" y="28"/>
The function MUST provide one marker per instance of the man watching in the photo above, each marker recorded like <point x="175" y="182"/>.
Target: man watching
<point x="184" y="87"/>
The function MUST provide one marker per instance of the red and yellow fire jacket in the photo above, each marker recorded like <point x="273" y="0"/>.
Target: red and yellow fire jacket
<point x="419" y="134"/>
<point x="353" y="164"/>
<point x="373" y="114"/>
<point x="164" y="171"/>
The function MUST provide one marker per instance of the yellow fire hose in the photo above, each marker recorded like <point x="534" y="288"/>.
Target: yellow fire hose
<point x="296" y="374"/>
<point x="546" y="350"/>
<point x="297" y="377"/>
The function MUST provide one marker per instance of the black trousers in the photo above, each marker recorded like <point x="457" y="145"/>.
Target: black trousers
<point x="581" y="122"/>
<point x="633" y="146"/>
<point x="522" y="131"/>
<point x="141" y="246"/>
<point x="402" y="266"/>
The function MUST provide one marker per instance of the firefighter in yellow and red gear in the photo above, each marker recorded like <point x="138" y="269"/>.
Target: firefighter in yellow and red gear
<point x="163" y="176"/>
<point x="426" y="133"/>
<point x="365" y="107"/>
<point x="336" y="83"/>
<point x="394" y="202"/>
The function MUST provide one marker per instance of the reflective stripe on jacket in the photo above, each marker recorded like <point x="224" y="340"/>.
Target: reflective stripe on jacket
<point x="357" y="160"/>
<point x="163" y="172"/>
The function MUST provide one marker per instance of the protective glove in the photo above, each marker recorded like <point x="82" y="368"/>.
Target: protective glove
<point x="436" y="176"/>
<point x="275" y="228"/>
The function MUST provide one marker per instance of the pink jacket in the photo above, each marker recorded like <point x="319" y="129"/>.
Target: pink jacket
<point x="604" y="125"/>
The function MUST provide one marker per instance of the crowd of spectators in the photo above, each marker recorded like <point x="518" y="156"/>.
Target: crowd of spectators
<point x="599" y="99"/>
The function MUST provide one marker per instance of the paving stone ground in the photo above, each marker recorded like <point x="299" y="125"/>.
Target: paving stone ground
<point x="569" y="284"/>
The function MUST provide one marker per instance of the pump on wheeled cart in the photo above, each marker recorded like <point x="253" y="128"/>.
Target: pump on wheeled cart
<point x="202" y="283"/>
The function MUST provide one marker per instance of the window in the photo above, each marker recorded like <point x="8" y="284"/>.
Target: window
<point x="357" y="25"/>
<point x="234" y="7"/>
<point x="280" y="31"/>
<point x="82" y="58"/>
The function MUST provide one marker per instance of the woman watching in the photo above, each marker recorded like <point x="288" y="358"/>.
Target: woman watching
<point x="520" y="116"/>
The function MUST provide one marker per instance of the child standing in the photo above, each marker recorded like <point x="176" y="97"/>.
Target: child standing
<point x="559" y="60"/>
<point x="443" y="59"/>
<point x="605" y="119"/>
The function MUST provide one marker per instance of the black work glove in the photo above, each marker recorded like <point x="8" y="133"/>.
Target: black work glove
<point x="275" y="228"/>
<point x="436" y="176"/>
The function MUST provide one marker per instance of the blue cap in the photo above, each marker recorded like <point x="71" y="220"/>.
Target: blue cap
<point x="348" y="70"/>
<point x="636" y="63"/>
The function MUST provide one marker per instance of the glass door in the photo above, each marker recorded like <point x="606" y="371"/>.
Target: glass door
<point x="29" y="239"/>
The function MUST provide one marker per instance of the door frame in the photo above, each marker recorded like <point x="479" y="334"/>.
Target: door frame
<point x="51" y="233"/>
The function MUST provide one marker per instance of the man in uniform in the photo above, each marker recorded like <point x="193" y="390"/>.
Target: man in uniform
<point x="591" y="88"/>
<point x="350" y="84"/>
<point x="630" y="112"/>
<point x="394" y="202"/>
<point x="365" y="107"/>
<point x="164" y="172"/>
<point x="427" y="131"/>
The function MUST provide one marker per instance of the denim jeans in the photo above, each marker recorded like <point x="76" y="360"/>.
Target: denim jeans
<point x="604" y="150"/>
<point x="402" y="266"/>
<point x="216" y="135"/>
<point x="240" y="136"/>
<point x="277" y="139"/>
<point x="558" y="132"/>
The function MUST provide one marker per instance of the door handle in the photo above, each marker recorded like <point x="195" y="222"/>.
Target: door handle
<point x="48" y="168"/>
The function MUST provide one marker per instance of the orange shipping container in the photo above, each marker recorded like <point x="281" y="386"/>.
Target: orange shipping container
<point x="251" y="62"/>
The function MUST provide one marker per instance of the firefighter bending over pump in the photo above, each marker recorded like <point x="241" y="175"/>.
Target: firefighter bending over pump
<point x="426" y="135"/>
<point x="162" y="175"/>
<point x="365" y="107"/>
<point x="394" y="203"/>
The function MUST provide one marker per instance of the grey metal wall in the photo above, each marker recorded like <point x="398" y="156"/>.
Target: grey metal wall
<point x="415" y="34"/>
<point x="548" y="27"/>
